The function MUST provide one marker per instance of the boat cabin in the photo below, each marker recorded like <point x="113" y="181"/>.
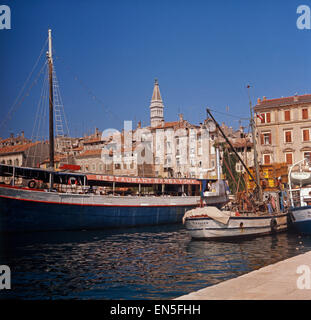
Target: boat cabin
<point x="68" y="182"/>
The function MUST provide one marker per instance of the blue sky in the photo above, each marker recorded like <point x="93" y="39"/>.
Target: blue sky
<point x="203" y="53"/>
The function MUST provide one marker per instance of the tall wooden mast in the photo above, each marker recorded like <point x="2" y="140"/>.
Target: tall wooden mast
<point x="51" y="112"/>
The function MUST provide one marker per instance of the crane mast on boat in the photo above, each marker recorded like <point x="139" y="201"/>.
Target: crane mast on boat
<point x="252" y="124"/>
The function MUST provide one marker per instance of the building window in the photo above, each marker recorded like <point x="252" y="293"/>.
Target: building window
<point x="289" y="158"/>
<point x="265" y="117"/>
<point x="307" y="155"/>
<point x="305" y="134"/>
<point x="305" y="114"/>
<point x="16" y="162"/>
<point x="117" y="166"/>
<point x="266" y="159"/>
<point x="288" y="136"/>
<point x="287" y="115"/>
<point x="266" y="138"/>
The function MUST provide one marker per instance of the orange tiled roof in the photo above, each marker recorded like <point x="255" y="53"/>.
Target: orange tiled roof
<point x="284" y="101"/>
<point x="240" y="143"/>
<point x="77" y="149"/>
<point x="17" y="148"/>
<point x="87" y="153"/>
<point x="167" y="125"/>
<point x="92" y="140"/>
<point x="57" y="158"/>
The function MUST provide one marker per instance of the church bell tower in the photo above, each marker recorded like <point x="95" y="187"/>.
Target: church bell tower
<point x="156" y="107"/>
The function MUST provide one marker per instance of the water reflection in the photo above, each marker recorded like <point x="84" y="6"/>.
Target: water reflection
<point x="148" y="263"/>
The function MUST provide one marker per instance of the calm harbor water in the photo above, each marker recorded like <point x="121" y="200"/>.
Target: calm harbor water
<point x="143" y="263"/>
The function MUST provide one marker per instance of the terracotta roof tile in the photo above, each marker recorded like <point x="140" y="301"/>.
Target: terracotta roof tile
<point x="57" y="158"/>
<point x="167" y="125"/>
<point x="284" y="101"/>
<point x="17" y="148"/>
<point x="92" y="140"/>
<point x="87" y="153"/>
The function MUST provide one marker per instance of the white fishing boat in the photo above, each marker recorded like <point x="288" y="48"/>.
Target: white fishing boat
<point x="212" y="223"/>
<point x="261" y="217"/>
<point x="300" y="196"/>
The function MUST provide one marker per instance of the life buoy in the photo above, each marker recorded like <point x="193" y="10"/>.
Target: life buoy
<point x="273" y="225"/>
<point x="32" y="184"/>
<point x="72" y="180"/>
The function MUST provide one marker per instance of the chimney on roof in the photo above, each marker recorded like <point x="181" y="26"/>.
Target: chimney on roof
<point x="264" y="99"/>
<point x="181" y="117"/>
<point x="139" y="125"/>
<point x="96" y="133"/>
<point x="258" y="101"/>
<point x="23" y="134"/>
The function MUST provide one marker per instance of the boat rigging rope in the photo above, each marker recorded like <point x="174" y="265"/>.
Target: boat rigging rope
<point x="87" y="89"/>
<point x="229" y="115"/>
<point x="41" y="116"/>
<point x="18" y="101"/>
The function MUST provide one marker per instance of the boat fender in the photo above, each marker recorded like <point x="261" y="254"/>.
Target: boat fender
<point x="32" y="184"/>
<point x="273" y="225"/>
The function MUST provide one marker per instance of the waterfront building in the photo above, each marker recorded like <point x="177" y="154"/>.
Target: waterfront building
<point x="12" y="140"/>
<point x="59" y="161"/>
<point x="24" y="155"/>
<point x="91" y="161"/>
<point x="181" y="149"/>
<point x="283" y="129"/>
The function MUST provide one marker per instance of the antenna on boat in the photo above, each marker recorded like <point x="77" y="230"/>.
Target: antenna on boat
<point x="51" y="112"/>
<point x="252" y="124"/>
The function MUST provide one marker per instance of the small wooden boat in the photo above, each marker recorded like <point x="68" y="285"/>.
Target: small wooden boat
<point x="210" y="223"/>
<point x="262" y="215"/>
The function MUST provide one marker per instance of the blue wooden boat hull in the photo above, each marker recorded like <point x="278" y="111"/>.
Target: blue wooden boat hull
<point x="301" y="219"/>
<point x="17" y="215"/>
